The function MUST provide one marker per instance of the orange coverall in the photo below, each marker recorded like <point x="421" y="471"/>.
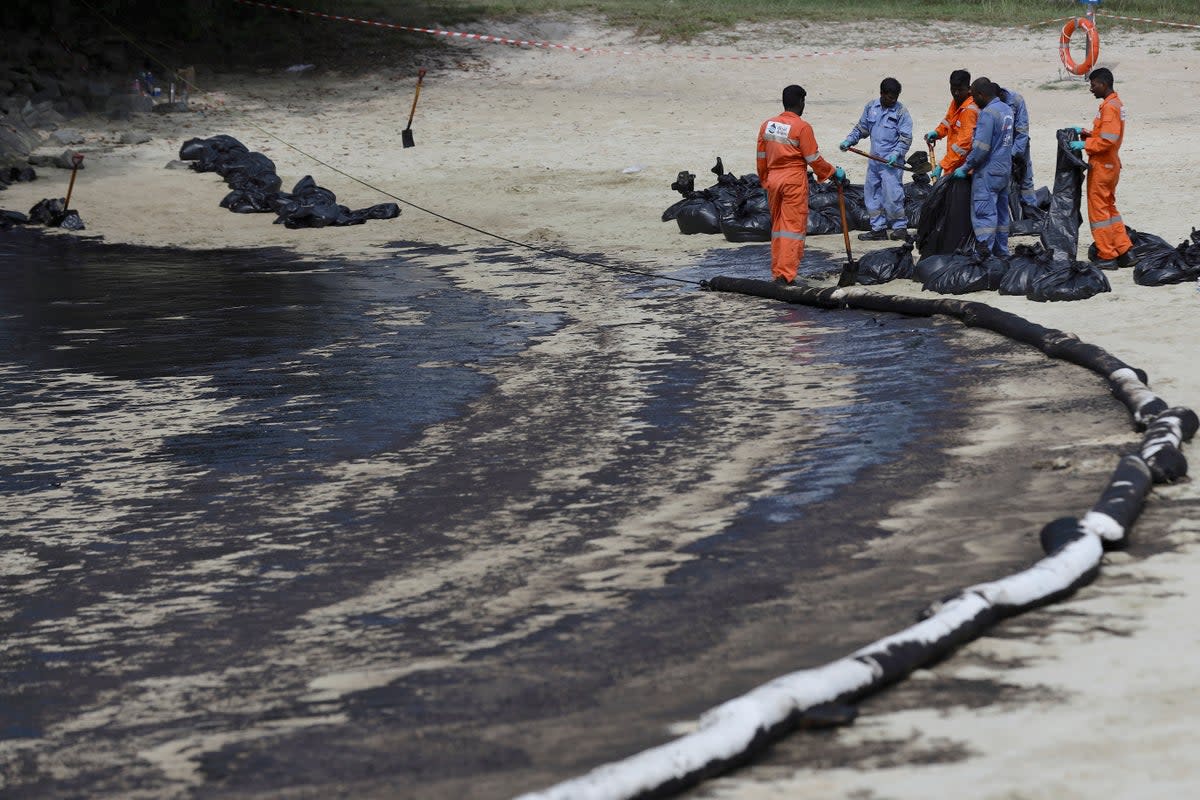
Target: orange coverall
<point x="1102" y="145"/>
<point x="958" y="129"/>
<point x="786" y="149"/>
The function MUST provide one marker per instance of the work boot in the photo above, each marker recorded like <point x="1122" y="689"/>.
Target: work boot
<point x="1127" y="259"/>
<point x="782" y="281"/>
<point x="899" y="235"/>
<point x="873" y="236"/>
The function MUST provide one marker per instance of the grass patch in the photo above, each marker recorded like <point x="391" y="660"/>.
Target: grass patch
<point x="238" y="36"/>
<point x="682" y="20"/>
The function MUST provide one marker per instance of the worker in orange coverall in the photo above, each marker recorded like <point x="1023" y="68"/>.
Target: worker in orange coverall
<point x="1102" y="146"/>
<point x="958" y="128"/>
<point x="786" y="149"/>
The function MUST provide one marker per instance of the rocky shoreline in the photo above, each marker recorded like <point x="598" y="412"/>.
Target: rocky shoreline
<point x="46" y="85"/>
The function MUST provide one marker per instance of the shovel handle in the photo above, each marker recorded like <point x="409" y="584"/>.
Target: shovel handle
<point x="76" y="160"/>
<point x="413" y="110"/>
<point x="845" y="227"/>
<point x="877" y="158"/>
<point x="850" y="271"/>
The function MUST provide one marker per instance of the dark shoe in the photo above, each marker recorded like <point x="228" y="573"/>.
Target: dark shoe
<point x="873" y="236"/>
<point x="899" y="235"/>
<point x="1127" y="259"/>
<point x="782" y="281"/>
<point x="1107" y="263"/>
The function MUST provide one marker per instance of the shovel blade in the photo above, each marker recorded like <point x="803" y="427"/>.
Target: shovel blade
<point x="849" y="274"/>
<point x="407" y="138"/>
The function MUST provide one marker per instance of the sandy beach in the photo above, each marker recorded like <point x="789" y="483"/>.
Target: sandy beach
<point x="1090" y="697"/>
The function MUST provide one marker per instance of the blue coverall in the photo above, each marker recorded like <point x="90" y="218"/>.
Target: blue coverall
<point x="890" y="130"/>
<point x="991" y="159"/>
<point x="1021" y="142"/>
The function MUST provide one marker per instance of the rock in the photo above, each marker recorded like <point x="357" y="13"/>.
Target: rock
<point x="62" y="160"/>
<point x="17" y="140"/>
<point x="42" y="115"/>
<point x="177" y="164"/>
<point x="134" y="137"/>
<point x="67" y="136"/>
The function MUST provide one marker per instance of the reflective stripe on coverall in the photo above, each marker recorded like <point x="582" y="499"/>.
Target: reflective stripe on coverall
<point x="991" y="158"/>
<point x="786" y="149"/>
<point x="890" y="130"/>
<point x="1102" y="146"/>
<point x="1020" y="146"/>
<point x="958" y="129"/>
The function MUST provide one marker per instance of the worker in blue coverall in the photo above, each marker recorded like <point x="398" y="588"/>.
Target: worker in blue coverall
<point x="990" y="163"/>
<point x="887" y="122"/>
<point x="1022" y="163"/>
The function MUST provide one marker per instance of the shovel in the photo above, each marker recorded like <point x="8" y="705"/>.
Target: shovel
<point x="921" y="169"/>
<point x="850" y="270"/>
<point x="406" y="135"/>
<point x="76" y="160"/>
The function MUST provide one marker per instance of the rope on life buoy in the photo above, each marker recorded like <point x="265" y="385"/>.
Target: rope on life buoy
<point x="1093" y="45"/>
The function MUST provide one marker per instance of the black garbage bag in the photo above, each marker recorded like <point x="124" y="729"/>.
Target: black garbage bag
<point x="377" y="211"/>
<point x="1191" y="249"/>
<point x="824" y="221"/>
<point x="1165" y="268"/>
<point x="961" y="272"/>
<point x="1060" y="230"/>
<point x="53" y="213"/>
<point x="1073" y="280"/>
<point x="11" y="218"/>
<point x="1145" y="245"/>
<point x="250" y="201"/>
<point x="697" y="214"/>
<point x="1028" y="262"/>
<point x="945" y="223"/>
<point x="1030" y="222"/>
<point x="250" y="171"/>
<point x="915" y="194"/>
<point x="17" y="175"/>
<point x="1159" y="263"/>
<point x="209" y="154"/>
<point x="312" y="206"/>
<point x="1027" y="220"/>
<point x="750" y="218"/>
<point x="824" y="195"/>
<point x="881" y="266"/>
<point x="702" y="211"/>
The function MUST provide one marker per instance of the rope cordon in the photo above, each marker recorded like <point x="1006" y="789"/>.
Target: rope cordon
<point x="595" y="51"/>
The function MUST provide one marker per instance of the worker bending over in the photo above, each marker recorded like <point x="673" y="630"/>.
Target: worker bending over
<point x="1102" y="145"/>
<point x="786" y="149"/>
<point x="1022" y="163"/>
<point x="889" y="125"/>
<point x="958" y="127"/>
<point x="990" y="161"/>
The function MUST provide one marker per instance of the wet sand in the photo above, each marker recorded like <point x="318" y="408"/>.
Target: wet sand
<point x="1031" y="711"/>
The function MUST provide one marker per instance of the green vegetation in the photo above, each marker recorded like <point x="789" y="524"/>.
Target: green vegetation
<point x="685" y="19"/>
<point x="236" y="35"/>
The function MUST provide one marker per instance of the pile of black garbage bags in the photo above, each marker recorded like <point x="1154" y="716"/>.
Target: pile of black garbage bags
<point x="944" y="255"/>
<point x="736" y="207"/>
<point x="255" y="188"/>
<point x="51" y="212"/>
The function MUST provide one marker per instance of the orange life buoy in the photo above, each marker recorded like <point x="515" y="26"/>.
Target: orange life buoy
<point x="1093" y="45"/>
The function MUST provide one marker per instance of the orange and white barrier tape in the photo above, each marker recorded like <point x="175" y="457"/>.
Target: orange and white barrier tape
<point x="1116" y="16"/>
<point x="1152" y="21"/>
<point x="483" y="37"/>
